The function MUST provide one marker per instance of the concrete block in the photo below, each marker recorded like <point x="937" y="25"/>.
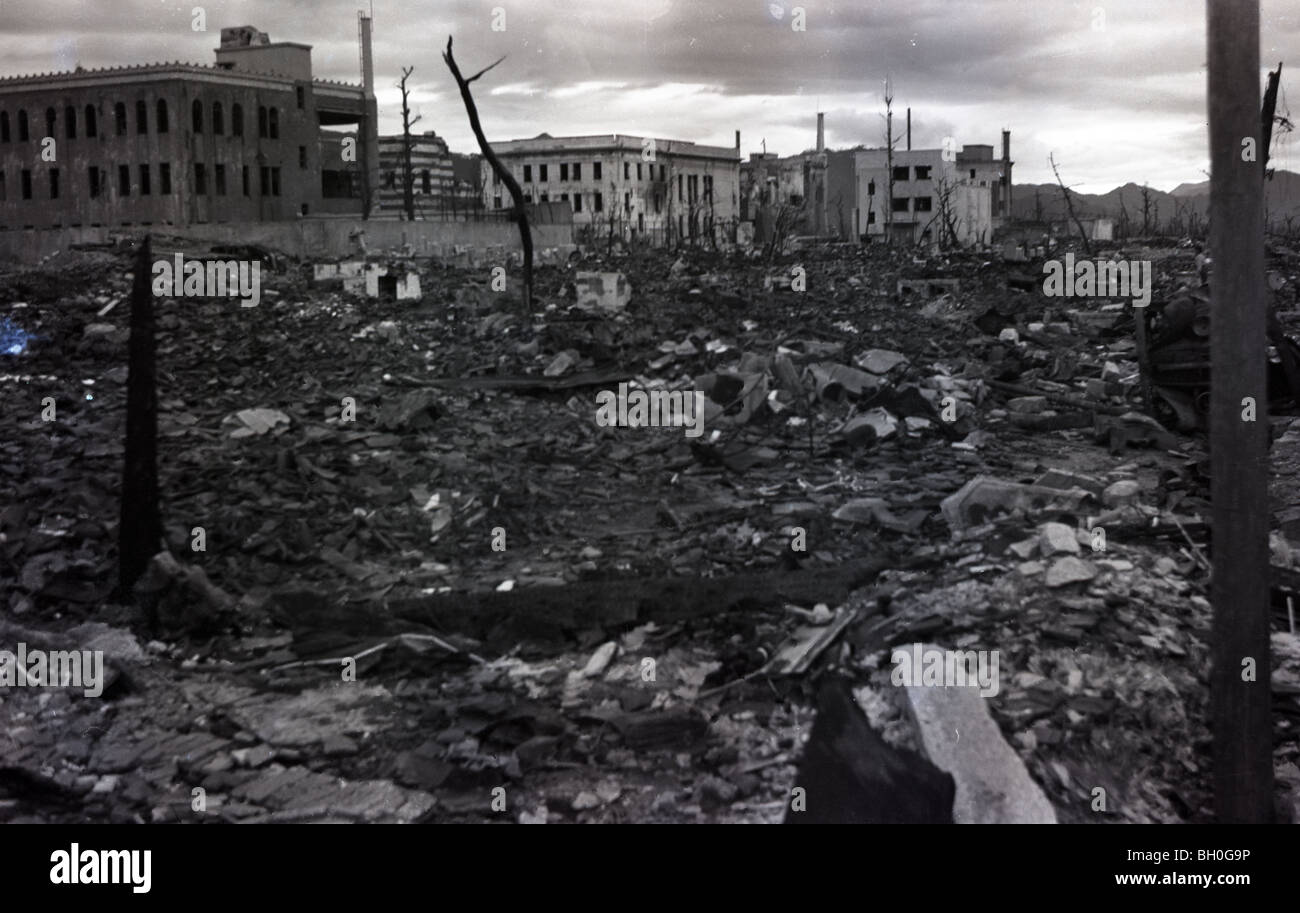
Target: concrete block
<point x="408" y="286"/>
<point x="373" y="272"/>
<point x="960" y="737"/>
<point x="984" y="496"/>
<point x="604" y="291"/>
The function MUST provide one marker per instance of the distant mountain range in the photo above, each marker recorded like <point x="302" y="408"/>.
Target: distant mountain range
<point x="1184" y="203"/>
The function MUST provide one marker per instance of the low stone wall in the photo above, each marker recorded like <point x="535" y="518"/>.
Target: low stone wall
<point x="307" y="238"/>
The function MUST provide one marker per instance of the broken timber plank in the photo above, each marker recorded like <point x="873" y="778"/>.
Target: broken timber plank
<point x="548" y="613"/>
<point x="960" y="736"/>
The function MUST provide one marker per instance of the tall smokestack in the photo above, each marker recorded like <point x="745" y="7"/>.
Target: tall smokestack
<point x="821" y="132"/>
<point x="367" y="58"/>
<point x="1006" y="172"/>
<point x="909" y="129"/>
<point x="737" y="140"/>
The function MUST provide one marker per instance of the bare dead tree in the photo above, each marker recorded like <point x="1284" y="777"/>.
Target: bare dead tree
<point x="781" y="225"/>
<point x="408" y="176"/>
<point x="1146" y="210"/>
<point x="1069" y="206"/>
<point x="516" y="193"/>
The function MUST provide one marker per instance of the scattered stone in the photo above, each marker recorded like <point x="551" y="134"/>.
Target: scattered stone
<point x="536" y="816"/>
<point x="600" y="660"/>
<point x="559" y="365"/>
<point x="255" y="422"/>
<point x="1066" y="481"/>
<point x="880" y="361"/>
<point x="1030" y="568"/>
<point x="1069" y="570"/>
<point x="1123" y="492"/>
<point x="1116" y="564"/>
<point x="339" y="745"/>
<point x="253" y="757"/>
<point x="715" y="792"/>
<point x="1027" y="404"/>
<point x="1057" y="539"/>
<point x="585" y="801"/>
<point x="1024" y="549"/>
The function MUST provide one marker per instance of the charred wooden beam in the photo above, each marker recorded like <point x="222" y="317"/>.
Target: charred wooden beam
<point x="140" y="530"/>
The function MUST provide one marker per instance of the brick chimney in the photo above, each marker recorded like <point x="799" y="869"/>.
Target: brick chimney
<point x="821" y="132"/>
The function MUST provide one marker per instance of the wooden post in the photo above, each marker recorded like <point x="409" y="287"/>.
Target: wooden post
<point x="1239" y="684"/>
<point x="140" y="530"/>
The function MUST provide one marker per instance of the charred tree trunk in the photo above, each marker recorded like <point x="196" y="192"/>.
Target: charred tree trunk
<point x="1069" y="206"/>
<point x="140" y="530"/>
<point x="516" y="193"/>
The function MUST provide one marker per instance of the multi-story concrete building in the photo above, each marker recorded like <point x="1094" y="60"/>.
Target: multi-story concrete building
<point x="932" y="198"/>
<point x="177" y="143"/>
<point x="629" y="186"/>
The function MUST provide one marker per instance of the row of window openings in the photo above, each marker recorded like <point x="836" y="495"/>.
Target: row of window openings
<point x="899" y="204"/>
<point x="576" y="171"/>
<point x="426" y="180"/>
<point x="598" y="199"/>
<point x="922" y="173"/>
<point x="268" y="120"/>
<point x="98" y="181"/>
<point x="687" y="191"/>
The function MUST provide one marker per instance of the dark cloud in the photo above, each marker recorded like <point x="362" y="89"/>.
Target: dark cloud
<point x="1123" y="101"/>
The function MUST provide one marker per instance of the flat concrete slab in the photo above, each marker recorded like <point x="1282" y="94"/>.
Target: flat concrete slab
<point x="960" y="737"/>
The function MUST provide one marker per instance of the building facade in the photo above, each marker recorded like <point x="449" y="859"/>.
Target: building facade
<point x="444" y="184"/>
<point x="933" y="201"/>
<point x="626" y="186"/>
<point x="980" y="167"/>
<point x="175" y="143"/>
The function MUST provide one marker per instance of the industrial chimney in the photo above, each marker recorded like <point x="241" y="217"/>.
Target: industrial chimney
<point x="367" y="57"/>
<point x="821" y="132"/>
<point x="909" y="129"/>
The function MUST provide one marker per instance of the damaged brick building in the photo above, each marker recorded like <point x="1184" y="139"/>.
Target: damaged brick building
<point x="251" y="138"/>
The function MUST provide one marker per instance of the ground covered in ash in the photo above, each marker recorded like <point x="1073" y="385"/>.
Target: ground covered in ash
<point x="409" y="577"/>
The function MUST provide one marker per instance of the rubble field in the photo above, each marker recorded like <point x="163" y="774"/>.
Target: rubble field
<point x="410" y="577"/>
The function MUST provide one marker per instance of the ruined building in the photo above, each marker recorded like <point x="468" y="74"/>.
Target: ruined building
<point x="444" y="184"/>
<point x="627" y="186"/>
<point x="253" y="137"/>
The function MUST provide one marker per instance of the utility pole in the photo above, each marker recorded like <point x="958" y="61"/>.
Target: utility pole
<point x="1266" y="116"/>
<point x="408" y="176"/>
<point x="1239" y="682"/>
<point x="140" y="526"/>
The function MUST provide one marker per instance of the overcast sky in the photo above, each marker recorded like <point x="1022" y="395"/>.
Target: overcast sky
<point x="1115" y="89"/>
